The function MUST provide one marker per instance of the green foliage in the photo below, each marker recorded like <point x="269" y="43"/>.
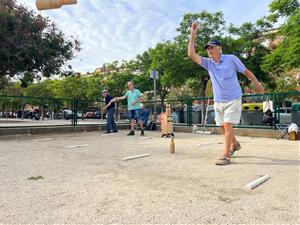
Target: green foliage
<point x="31" y="45"/>
<point x="286" y="56"/>
<point x="283" y="8"/>
<point x="285" y="83"/>
<point x="116" y="82"/>
<point x="212" y="26"/>
<point x="32" y="48"/>
<point x="170" y="61"/>
<point x="246" y="42"/>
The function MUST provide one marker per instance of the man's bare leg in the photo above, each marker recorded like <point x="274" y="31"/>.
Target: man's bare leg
<point x="233" y="140"/>
<point x="132" y="124"/>
<point x="140" y="124"/>
<point x="229" y="139"/>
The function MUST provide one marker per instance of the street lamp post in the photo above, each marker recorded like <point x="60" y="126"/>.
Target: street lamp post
<point x="154" y="76"/>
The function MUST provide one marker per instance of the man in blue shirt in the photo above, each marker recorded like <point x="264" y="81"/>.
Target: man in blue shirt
<point x="227" y="91"/>
<point x="134" y="98"/>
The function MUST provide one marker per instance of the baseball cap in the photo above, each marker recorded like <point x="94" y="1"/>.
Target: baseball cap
<point x="212" y="43"/>
<point x="103" y="91"/>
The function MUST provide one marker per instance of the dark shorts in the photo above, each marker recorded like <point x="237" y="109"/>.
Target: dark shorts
<point x="134" y="114"/>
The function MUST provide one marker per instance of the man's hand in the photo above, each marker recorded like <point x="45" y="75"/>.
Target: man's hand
<point x="133" y="103"/>
<point x="104" y="108"/>
<point x="194" y="28"/>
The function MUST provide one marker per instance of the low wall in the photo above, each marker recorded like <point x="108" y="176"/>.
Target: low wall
<point x="266" y="133"/>
<point x="55" y="129"/>
<point x="69" y="129"/>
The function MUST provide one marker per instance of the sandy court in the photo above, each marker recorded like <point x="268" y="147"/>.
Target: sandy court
<point x="92" y="184"/>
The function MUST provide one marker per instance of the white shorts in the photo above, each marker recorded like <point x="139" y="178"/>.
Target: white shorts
<point x="228" y="112"/>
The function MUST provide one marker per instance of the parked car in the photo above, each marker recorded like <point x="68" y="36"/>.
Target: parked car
<point x="90" y="115"/>
<point x="7" y="115"/>
<point x="27" y="114"/>
<point x="59" y="115"/>
<point x="79" y="114"/>
<point x="68" y="114"/>
<point x="97" y="115"/>
<point x="93" y="115"/>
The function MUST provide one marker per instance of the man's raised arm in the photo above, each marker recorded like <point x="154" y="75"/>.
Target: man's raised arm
<point x="191" y="50"/>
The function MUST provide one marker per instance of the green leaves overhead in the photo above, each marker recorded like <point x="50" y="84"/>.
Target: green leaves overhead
<point x="31" y="45"/>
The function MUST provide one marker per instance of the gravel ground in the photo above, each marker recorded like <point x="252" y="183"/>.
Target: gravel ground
<point x="93" y="185"/>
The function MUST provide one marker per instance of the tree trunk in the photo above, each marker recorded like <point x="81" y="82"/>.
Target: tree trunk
<point x="162" y="100"/>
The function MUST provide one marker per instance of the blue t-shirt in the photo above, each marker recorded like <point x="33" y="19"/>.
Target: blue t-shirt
<point x="223" y="75"/>
<point x="133" y="96"/>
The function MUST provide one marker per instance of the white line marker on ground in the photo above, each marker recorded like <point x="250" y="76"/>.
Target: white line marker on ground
<point x="145" y="138"/>
<point x="77" y="146"/>
<point x="135" y="157"/>
<point x="257" y="182"/>
<point x="44" y="139"/>
<point x="103" y="135"/>
<point x="203" y="132"/>
<point x="200" y="145"/>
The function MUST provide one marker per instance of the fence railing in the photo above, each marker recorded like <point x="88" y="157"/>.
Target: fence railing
<point x="28" y="111"/>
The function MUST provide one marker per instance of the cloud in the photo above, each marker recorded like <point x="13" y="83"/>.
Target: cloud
<point x="120" y="29"/>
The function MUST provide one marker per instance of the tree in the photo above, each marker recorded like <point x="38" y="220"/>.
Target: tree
<point x="141" y="67"/>
<point x="247" y="43"/>
<point x="283" y="8"/>
<point x="285" y="56"/>
<point x="94" y="90"/>
<point x="72" y="87"/>
<point x="31" y="45"/>
<point x="212" y="26"/>
<point x="173" y="66"/>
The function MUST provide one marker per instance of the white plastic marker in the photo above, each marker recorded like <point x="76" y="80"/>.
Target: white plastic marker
<point x="77" y="146"/>
<point x="135" y="157"/>
<point x="200" y="145"/>
<point x="145" y="138"/>
<point x="109" y="134"/>
<point x="257" y="182"/>
<point x="203" y="132"/>
<point x="44" y="139"/>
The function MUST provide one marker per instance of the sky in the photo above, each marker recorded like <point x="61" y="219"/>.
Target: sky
<point x="112" y="30"/>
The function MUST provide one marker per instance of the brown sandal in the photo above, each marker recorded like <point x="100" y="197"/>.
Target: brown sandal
<point x="223" y="161"/>
<point x="237" y="147"/>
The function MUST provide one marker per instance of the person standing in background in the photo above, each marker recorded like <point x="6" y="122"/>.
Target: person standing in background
<point x="110" y="113"/>
<point x="134" y="98"/>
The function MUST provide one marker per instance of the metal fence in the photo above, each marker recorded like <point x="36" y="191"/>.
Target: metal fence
<point x="27" y="111"/>
<point x="285" y="109"/>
